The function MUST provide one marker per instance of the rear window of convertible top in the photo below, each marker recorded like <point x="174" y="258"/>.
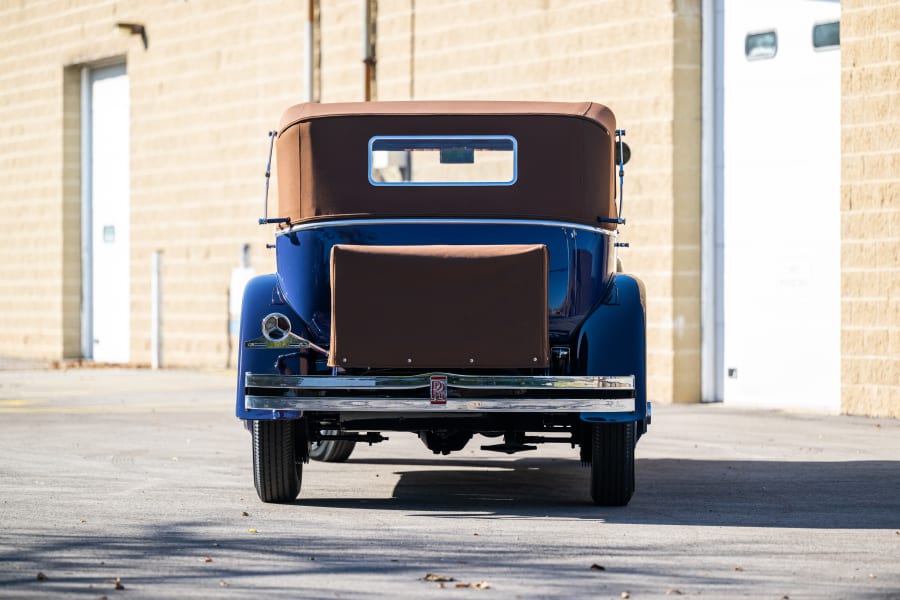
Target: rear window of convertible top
<point x="443" y="160"/>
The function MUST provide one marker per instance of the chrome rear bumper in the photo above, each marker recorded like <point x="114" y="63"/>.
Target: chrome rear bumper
<point x="438" y="392"/>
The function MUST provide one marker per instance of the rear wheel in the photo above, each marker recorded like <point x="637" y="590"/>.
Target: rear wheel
<point x="612" y="463"/>
<point x="331" y="450"/>
<point x="277" y="472"/>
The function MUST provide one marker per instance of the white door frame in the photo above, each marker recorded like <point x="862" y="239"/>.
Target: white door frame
<point x="87" y="266"/>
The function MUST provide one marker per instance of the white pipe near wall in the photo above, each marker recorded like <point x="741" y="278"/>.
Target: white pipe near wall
<point x="155" y="311"/>
<point x="366" y="30"/>
<point x="710" y="350"/>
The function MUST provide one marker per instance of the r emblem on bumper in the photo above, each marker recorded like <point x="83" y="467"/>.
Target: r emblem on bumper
<point x="439" y="389"/>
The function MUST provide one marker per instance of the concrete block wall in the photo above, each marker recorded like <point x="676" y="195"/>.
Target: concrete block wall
<point x="642" y="59"/>
<point x="221" y="76"/>
<point x="213" y="80"/>
<point x="870" y="207"/>
<point x="216" y="77"/>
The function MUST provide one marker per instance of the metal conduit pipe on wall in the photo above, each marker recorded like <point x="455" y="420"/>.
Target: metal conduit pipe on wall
<point x="369" y="15"/>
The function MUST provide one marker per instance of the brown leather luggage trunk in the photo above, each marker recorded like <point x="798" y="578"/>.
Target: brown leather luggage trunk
<point x="439" y="307"/>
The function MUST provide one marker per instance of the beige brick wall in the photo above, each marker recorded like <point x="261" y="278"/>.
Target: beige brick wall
<point x="221" y="75"/>
<point x="342" y="75"/>
<point x="215" y="78"/>
<point x="640" y="58"/>
<point x="870" y="207"/>
<point x="217" y="75"/>
<point x="686" y="203"/>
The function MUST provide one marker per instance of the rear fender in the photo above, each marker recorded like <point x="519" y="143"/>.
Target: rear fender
<point x="613" y="341"/>
<point x="261" y="297"/>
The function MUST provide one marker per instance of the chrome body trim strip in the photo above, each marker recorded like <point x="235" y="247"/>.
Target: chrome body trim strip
<point x="423" y="405"/>
<point x="424" y="221"/>
<point x="416" y="393"/>
<point x="408" y="382"/>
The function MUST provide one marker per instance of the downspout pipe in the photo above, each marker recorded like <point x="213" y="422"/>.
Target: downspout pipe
<point x="711" y="207"/>
<point x="368" y="47"/>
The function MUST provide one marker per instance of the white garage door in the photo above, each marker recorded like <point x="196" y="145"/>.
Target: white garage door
<point x="781" y="186"/>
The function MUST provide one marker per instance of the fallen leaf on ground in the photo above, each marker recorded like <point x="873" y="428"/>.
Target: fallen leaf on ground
<point x="673" y="592"/>
<point x="251" y="531"/>
<point x="205" y="559"/>
<point x="436" y="577"/>
<point x="118" y="584"/>
<point x="41" y="576"/>
<point x="478" y="585"/>
<point x="739" y="568"/>
<point x="596" y="567"/>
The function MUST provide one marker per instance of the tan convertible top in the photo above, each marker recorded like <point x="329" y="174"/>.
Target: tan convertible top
<point x="565" y="161"/>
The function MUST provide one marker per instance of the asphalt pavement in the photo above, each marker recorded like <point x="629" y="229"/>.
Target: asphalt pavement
<point x="141" y="480"/>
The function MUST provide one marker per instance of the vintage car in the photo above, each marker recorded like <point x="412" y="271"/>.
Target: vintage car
<point x="448" y="269"/>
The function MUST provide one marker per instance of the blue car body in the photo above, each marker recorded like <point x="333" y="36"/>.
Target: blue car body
<point x="590" y="393"/>
<point x="595" y="312"/>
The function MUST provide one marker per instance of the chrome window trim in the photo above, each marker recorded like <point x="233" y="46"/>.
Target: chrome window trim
<point x="427" y="183"/>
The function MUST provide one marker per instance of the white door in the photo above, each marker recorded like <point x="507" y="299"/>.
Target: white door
<point x="110" y="214"/>
<point x="781" y="182"/>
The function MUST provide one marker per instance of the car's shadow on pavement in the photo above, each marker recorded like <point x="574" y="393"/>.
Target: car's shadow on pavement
<point x="745" y="493"/>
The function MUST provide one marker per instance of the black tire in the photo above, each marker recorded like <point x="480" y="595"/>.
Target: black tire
<point x="612" y="463"/>
<point x="277" y="472"/>
<point x="331" y="450"/>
